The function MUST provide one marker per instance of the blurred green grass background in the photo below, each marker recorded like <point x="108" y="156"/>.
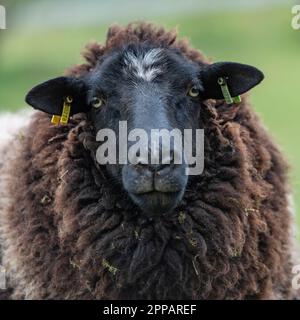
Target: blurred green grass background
<point x="262" y="37"/>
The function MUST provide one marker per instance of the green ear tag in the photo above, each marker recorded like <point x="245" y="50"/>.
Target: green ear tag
<point x="222" y="82"/>
<point x="227" y="96"/>
<point x="237" y="99"/>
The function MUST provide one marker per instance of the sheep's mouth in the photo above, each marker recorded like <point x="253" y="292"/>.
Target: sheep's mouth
<point x="155" y="203"/>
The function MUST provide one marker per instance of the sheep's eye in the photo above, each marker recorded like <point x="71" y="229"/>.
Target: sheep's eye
<point x="97" y="102"/>
<point x="193" y="92"/>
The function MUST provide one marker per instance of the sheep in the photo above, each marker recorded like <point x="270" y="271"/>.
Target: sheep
<point x="74" y="229"/>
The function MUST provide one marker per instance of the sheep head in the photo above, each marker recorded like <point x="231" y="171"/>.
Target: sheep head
<point x="149" y="88"/>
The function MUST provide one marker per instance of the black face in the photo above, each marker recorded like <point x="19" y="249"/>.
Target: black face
<point x="149" y="88"/>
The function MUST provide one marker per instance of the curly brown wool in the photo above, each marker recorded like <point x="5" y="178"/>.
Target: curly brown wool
<point x="67" y="233"/>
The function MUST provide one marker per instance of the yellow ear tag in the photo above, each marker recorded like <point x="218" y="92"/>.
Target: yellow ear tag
<point x="55" y="120"/>
<point x="66" y="110"/>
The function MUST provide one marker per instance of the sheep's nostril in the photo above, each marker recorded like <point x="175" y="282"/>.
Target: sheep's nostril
<point x="160" y="169"/>
<point x="165" y="172"/>
<point x="166" y="163"/>
<point x="142" y="168"/>
<point x="157" y="169"/>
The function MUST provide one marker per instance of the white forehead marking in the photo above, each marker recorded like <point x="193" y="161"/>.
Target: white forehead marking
<point x="142" y="65"/>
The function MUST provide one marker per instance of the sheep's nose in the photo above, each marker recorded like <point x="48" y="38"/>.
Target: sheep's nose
<point x="155" y="171"/>
<point x="142" y="178"/>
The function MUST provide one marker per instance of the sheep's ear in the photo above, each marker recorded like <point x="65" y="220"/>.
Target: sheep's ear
<point x="239" y="79"/>
<point x="50" y="95"/>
